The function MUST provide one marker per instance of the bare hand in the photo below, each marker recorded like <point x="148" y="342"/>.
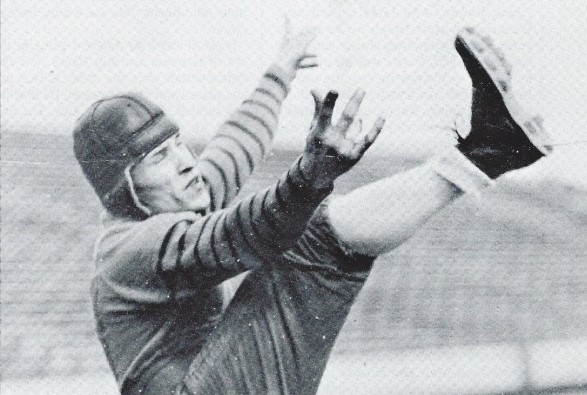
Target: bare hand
<point x="293" y="52"/>
<point x="329" y="151"/>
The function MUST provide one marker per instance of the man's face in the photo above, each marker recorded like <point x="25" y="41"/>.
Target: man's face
<point x="166" y="179"/>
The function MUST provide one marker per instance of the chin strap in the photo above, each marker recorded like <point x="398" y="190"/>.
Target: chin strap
<point x="133" y="193"/>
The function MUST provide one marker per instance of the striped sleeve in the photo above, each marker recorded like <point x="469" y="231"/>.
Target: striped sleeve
<point x="247" y="235"/>
<point x="244" y="139"/>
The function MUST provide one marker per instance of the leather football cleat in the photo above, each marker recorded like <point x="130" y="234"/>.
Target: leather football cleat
<point x="503" y="136"/>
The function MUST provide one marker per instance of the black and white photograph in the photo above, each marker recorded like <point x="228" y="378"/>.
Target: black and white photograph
<point x="293" y="197"/>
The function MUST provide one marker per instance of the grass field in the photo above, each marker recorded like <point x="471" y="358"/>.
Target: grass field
<point x="509" y="267"/>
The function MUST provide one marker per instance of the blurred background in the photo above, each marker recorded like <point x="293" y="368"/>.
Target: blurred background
<point x="483" y="290"/>
<point x="198" y="59"/>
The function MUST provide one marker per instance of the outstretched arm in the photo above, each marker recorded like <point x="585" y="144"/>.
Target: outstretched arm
<point x="262" y="227"/>
<point x="245" y="138"/>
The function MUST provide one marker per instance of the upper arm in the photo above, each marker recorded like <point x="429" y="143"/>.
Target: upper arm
<point x="151" y="261"/>
<point x="129" y="258"/>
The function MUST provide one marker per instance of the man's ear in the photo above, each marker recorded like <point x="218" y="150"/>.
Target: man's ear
<point x="133" y="193"/>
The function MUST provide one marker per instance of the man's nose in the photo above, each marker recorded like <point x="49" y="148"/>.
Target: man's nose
<point x="184" y="159"/>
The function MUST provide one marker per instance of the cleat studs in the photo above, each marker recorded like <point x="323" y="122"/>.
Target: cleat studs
<point x="530" y="127"/>
<point x="503" y="85"/>
<point x="487" y="40"/>
<point x="500" y="54"/>
<point x="479" y="47"/>
<point x="492" y="66"/>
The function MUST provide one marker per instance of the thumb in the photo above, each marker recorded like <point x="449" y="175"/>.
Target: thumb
<point x="317" y="101"/>
<point x="317" y="106"/>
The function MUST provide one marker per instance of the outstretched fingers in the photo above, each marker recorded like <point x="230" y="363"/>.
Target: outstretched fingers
<point x="341" y="137"/>
<point x="307" y="61"/>
<point x="325" y="115"/>
<point x="363" y="144"/>
<point x="318" y="99"/>
<point x="350" y="111"/>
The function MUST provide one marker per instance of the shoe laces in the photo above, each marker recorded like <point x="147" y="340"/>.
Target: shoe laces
<point x="456" y="128"/>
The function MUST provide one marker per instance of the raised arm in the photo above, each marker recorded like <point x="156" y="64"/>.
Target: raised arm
<point x="246" y="137"/>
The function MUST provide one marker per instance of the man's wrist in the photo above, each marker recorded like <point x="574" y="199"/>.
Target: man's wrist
<point x="304" y="177"/>
<point x="287" y="68"/>
<point x="310" y="176"/>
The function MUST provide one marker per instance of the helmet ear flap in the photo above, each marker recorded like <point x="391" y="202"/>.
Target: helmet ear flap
<point x="133" y="193"/>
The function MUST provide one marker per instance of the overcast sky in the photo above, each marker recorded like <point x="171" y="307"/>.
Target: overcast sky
<point x="199" y="59"/>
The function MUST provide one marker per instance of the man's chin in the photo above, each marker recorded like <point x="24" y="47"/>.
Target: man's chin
<point x="200" y="206"/>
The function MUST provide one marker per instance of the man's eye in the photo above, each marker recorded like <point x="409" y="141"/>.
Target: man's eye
<point x="156" y="158"/>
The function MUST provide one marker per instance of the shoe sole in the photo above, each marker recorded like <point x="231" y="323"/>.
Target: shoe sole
<point x="478" y="54"/>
